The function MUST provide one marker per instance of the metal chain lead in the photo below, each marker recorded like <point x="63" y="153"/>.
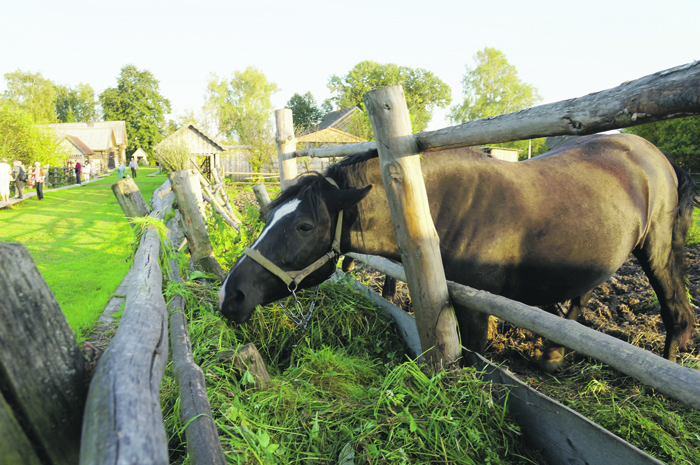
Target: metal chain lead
<point x="297" y="315"/>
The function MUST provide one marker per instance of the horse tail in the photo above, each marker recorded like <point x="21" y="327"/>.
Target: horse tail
<point x="687" y="199"/>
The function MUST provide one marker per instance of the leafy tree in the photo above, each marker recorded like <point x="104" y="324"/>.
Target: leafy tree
<point x="493" y="88"/>
<point x="243" y="106"/>
<point x="678" y="138"/>
<point x="75" y="104"/>
<point x="137" y="101"/>
<point x="423" y="90"/>
<point x="305" y="111"/>
<point x="33" y="94"/>
<point x="20" y="138"/>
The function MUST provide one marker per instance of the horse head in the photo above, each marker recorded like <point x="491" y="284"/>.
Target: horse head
<point x="295" y="249"/>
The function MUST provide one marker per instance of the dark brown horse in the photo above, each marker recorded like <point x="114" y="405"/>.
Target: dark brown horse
<point x="541" y="231"/>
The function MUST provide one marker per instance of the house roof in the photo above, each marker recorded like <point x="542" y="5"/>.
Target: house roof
<point x="330" y="135"/>
<point x="119" y="128"/>
<point x="198" y="141"/>
<point x="336" y="119"/>
<point x="95" y="138"/>
<point x="80" y="145"/>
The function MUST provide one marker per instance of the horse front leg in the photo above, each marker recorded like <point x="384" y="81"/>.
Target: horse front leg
<point x="473" y="331"/>
<point x="553" y="356"/>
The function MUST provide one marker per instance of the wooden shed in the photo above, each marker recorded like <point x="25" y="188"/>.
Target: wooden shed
<point x="110" y="156"/>
<point x="141" y="156"/>
<point x="204" y="150"/>
<point x="502" y="153"/>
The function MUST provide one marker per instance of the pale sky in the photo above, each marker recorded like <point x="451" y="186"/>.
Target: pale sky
<point x="564" y="49"/>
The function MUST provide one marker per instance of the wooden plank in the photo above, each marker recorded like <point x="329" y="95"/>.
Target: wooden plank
<point x="563" y="435"/>
<point x="123" y="421"/>
<point x="43" y="370"/>
<point x="673" y="93"/>
<point x="286" y="145"/>
<point x="415" y="232"/>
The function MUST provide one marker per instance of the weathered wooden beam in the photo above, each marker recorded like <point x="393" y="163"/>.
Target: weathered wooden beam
<point x="261" y="196"/>
<point x="42" y="369"/>
<point x="193" y="223"/>
<point x="286" y="145"/>
<point x="668" y="94"/>
<point x="203" y="444"/>
<point x="667" y="377"/>
<point x="417" y="239"/>
<point x="123" y="420"/>
<point x="130" y="198"/>
<point x="218" y="209"/>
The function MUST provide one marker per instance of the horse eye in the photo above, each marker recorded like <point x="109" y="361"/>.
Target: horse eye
<point x="306" y="227"/>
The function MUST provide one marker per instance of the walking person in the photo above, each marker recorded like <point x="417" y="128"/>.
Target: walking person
<point x="120" y="171"/>
<point x="77" y="171"/>
<point x="20" y="176"/>
<point x="38" y="177"/>
<point x="134" y="166"/>
<point x="5" y="178"/>
<point x="87" y="171"/>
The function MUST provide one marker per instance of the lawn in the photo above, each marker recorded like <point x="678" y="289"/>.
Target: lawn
<point x="81" y="243"/>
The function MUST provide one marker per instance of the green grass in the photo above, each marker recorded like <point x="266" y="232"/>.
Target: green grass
<point x="693" y="239"/>
<point x="80" y="241"/>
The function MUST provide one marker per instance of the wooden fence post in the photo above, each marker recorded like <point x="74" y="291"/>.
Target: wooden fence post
<point x="130" y="198"/>
<point x="43" y="370"/>
<point x="261" y="195"/>
<point x="417" y="239"/>
<point x="193" y="223"/>
<point x="286" y="146"/>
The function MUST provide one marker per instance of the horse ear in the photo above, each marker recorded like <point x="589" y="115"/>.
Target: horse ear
<point x="349" y="197"/>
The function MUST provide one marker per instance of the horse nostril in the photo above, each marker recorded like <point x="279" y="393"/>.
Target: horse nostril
<point x="239" y="297"/>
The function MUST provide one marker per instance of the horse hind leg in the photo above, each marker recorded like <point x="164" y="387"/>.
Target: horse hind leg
<point x="666" y="273"/>
<point x="553" y="357"/>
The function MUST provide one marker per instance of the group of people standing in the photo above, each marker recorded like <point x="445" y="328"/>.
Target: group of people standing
<point x="19" y="175"/>
<point x="86" y="171"/>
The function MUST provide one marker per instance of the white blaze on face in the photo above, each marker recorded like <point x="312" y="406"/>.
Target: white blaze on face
<point x="280" y="213"/>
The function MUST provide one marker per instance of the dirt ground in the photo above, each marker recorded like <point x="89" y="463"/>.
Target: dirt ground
<point x="624" y="307"/>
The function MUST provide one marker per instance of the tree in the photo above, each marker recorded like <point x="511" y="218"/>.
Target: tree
<point x="33" y="94"/>
<point x="137" y="101"/>
<point x="20" y="138"/>
<point x="423" y="90"/>
<point x="244" y="107"/>
<point x="678" y="138"/>
<point x="305" y="112"/>
<point x="493" y="88"/>
<point x="75" y="104"/>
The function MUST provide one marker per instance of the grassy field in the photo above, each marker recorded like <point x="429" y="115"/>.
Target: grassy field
<point x="80" y="241"/>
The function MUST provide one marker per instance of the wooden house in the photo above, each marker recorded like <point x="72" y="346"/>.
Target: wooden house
<point x="111" y="154"/>
<point x="141" y="156"/>
<point x="77" y="150"/>
<point x="204" y="150"/>
<point x="502" y="153"/>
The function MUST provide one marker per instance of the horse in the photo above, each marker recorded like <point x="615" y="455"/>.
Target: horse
<point x="542" y="231"/>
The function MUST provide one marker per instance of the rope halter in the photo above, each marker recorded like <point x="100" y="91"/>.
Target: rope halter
<point x="295" y="277"/>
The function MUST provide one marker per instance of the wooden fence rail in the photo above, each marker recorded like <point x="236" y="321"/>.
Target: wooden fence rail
<point x="667" y="377"/>
<point x="668" y="94"/>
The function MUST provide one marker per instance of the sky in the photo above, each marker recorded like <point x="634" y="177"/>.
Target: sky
<point x="564" y="49"/>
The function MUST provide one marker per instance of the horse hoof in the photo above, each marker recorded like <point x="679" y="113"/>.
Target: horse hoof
<point x="552" y="360"/>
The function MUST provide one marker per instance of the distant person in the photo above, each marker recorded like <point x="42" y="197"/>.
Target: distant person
<point x="20" y="176"/>
<point x="93" y="171"/>
<point x="77" y="171"/>
<point x="5" y="178"/>
<point x="120" y="171"/>
<point x="86" y="171"/>
<point x="38" y="177"/>
<point x="134" y="166"/>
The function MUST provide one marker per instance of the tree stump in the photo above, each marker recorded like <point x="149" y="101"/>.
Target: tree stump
<point x="43" y="370"/>
<point x="130" y="199"/>
<point x="247" y="358"/>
